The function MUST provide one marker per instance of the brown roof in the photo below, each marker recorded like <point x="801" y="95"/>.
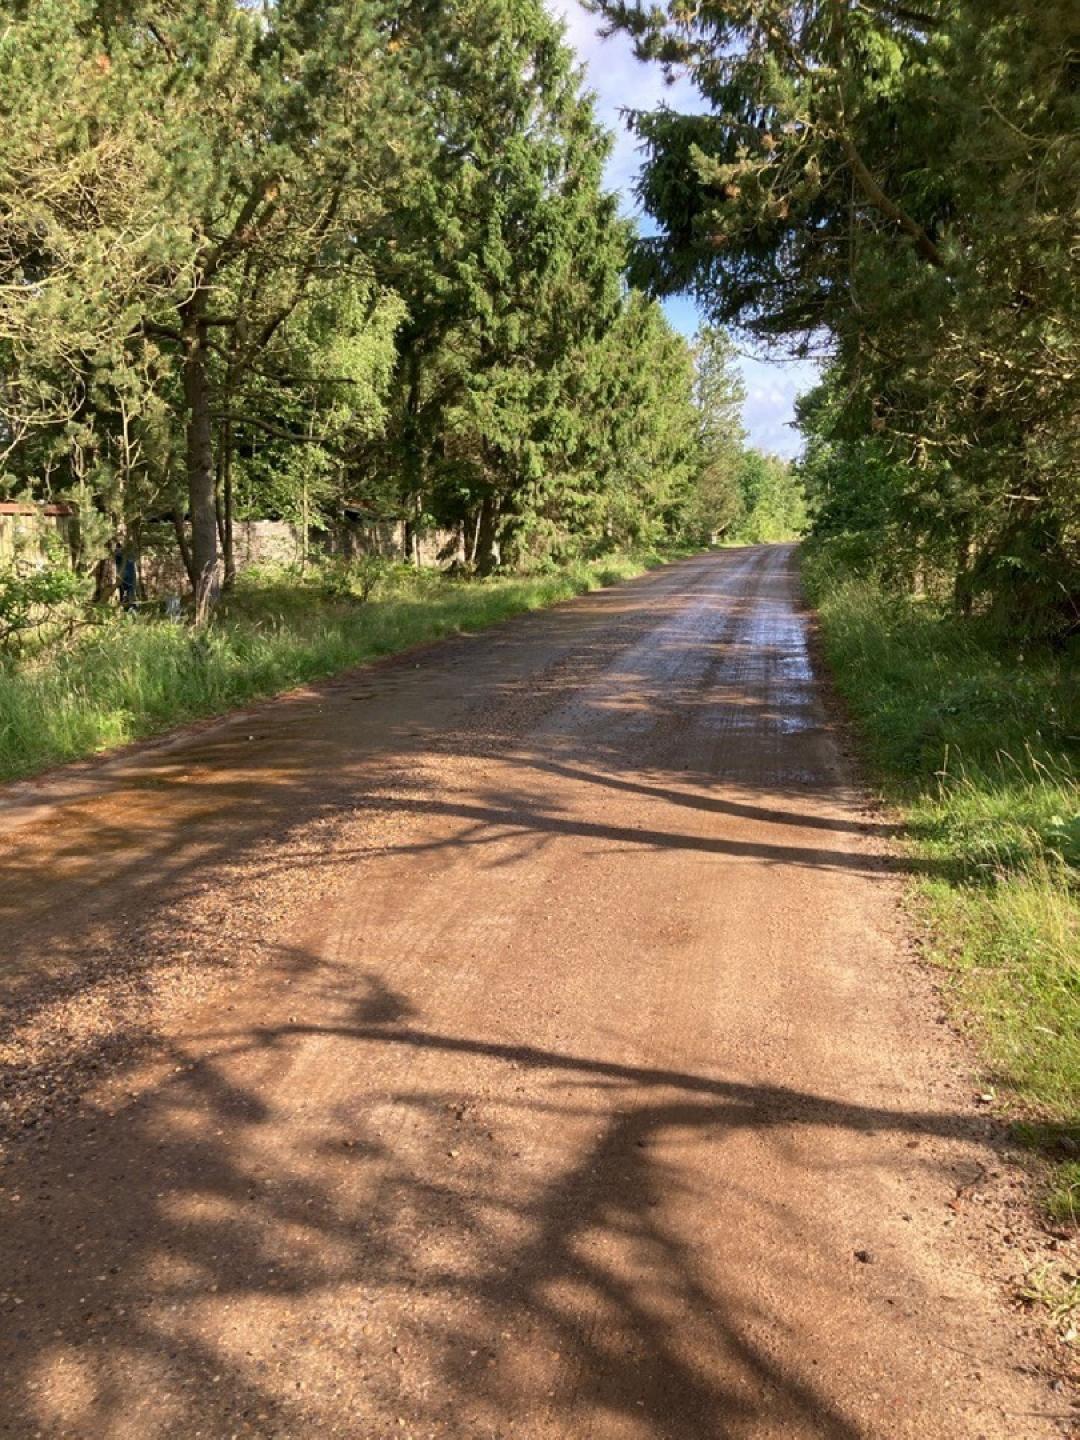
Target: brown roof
<point x="20" y="507"/>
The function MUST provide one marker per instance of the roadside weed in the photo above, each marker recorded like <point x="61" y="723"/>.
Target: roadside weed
<point x="1057" y="1292"/>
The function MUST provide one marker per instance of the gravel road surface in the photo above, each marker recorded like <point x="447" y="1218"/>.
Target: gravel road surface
<point x="517" y="1038"/>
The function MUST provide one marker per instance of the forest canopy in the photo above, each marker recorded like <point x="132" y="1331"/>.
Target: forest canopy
<point x="893" y="188"/>
<point x="275" y="259"/>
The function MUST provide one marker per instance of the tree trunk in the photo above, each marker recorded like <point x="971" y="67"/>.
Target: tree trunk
<point x="219" y="511"/>
<point x="487" y="536"/>
<point x="414" y="460"/>
<point x="962" y="588"/>
<point x="185" y="548"/>
<point x="105" y="579"/>
<point x="200" y="467"/>
<point x="227" y="543"/>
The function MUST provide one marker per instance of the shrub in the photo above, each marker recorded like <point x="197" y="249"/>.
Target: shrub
<point x="35" y="593"/>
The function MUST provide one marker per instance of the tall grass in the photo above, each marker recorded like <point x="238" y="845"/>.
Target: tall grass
<point x="134" y="677"/>
<point x="977" y="745"/>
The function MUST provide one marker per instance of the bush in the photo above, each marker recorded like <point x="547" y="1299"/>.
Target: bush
<point x="35" y="593"/>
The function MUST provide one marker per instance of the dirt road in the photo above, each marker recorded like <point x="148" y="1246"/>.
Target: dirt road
<point x="515" y="1039"/>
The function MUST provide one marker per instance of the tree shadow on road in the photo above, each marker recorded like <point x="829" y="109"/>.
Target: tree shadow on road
<point x="474" y="1238"/>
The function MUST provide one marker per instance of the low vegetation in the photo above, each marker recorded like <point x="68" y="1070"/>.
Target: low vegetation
<point x="1056" y="1293"/>
<point x="974" y="740"/>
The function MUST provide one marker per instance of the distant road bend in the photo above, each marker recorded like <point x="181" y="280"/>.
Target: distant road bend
<point x="511" y="1039"/>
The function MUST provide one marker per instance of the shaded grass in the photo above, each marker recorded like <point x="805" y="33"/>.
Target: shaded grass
<point x="977" y="747"/>
<point x="135" y="677"/>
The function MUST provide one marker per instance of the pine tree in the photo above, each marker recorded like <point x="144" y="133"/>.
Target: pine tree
<point x="896" y="184"/>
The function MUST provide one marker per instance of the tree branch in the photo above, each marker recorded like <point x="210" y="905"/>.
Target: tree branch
<point x="160" y="332"/>
<point x="877" y="197"/>
<point x="903" y="12"/>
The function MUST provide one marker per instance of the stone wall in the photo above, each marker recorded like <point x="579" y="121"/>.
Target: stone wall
<point x="24" y="528"/>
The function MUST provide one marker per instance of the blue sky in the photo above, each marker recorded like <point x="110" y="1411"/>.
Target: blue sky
<point x="620" y="80"/>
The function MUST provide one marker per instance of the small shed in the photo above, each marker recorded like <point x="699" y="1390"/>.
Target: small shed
<point x="25" y="528"/>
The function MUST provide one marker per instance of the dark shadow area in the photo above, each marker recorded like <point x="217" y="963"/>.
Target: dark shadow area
<point x="187" y="1226"/>
<point x="717" y="805"/>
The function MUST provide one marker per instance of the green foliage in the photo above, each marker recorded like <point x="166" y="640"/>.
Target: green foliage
<point x="1055" y="1291"/>
<point x="717" y="503"/>
<point x="631" y="456"/>
<point x="363" y="578"/>
<point x="35" y="593"/>
<point x="1063" y="1201"/>
<point x="899" y="181"/>
<point x="772" y="503"/>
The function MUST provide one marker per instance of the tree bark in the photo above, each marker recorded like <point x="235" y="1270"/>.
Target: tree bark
<point x="200" y="464"/>
<point x="881" y="202"/>
<point x="105" y="579"/>
<point x="487" y="536"/>
<point x="228" y="544"/>
<point x="962" y="586"/>
<point x="184" y="547"/>
<point x="414" y="460"/>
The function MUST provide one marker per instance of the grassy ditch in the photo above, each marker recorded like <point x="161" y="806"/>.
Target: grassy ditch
<point x="131" y="677"/>
<point x="977" y="747"/>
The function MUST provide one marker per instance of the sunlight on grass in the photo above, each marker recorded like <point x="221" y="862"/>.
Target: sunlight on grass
<point x="977" y="747"/>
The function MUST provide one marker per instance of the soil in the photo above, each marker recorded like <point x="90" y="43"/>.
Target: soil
<point x="517" y="1038"/>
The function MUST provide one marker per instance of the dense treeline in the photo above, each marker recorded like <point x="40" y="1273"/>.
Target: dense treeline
<point x="263" y="259"/>
<point x="895" y="185"/>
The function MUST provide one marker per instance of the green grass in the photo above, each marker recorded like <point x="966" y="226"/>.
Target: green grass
<point x="1057" y="1294"/>
<point x="134" y="677"/>
<point x="976" y="746"/>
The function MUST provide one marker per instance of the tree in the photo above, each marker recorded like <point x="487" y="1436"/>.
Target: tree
<point x="83" y="255"/>
<point x="894" y="184"/>
<point x="774" y="506"/>
<point x="717" y="504"/>
<point x="508" y="255"/>
<point x="627" y="451"/>
<point x="268" y="258"/>
<point x="261" y="151"/>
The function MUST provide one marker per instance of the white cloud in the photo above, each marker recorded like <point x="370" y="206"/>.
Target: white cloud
<point x="771" y="390"/>
<point x="621" y="82"/>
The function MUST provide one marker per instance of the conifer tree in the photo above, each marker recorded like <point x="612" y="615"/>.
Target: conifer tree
<point x="895" y="185"/>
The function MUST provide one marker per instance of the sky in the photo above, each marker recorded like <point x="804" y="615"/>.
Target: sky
<point x="619" y="81"/>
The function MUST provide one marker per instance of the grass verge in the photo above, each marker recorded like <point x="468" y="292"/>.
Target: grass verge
<point x="977" y="747"/>
<point x="135" y="677"/>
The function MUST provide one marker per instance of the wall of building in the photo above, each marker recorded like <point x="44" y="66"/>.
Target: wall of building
<point x="25" y="529"/>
